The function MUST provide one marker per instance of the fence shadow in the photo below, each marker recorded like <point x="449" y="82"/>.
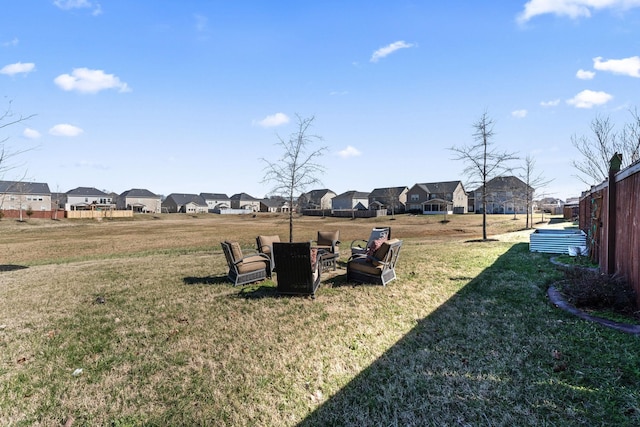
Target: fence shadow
<point x="442" y="372"/>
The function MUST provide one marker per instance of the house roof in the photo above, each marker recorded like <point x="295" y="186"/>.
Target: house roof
<point x="183" y="199"/>
<point x="272" y="203"/>
<point x="214" y="196"/>
<point x="244" y="197"/>
<point x="439" y="187"/>
<point x="18" y="187"/>
<point x="505" y="183"/>
<point x="384" y="192"/>
<point x="138" y="192"/>
<point x="318" y="194"/>
<point x="353" y="194"/>
<point x="86" y="191"/>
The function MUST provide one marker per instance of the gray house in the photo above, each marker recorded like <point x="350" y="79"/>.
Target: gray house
<point x="216" y="201"/>
<point x="184" y="203"/>
<point x="140" y="200"/>
<point x="437" y="198"/>
<point x="16" y="195"/>
<point x="316" y="199"/>
<point x="394" y="199"/>
<point x="505" y="195"/>
<point x="245" y="201"/>
<point x="87" y="198"/>
<point x="351" y="200"/>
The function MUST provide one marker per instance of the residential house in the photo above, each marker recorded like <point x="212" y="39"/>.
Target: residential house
<point x="351" y="200"/>
<point x="549" y="205"/>
<point x="216" y="201"/>
<point x="505" y="195"/>
<point x="316" y="199"/>
<point x="184" y="203"/>
<point x="245" y="201"/>
<point x="394" y="199"/>
<point x="18" y="196"/>
<point x="140" y="200"/>
<point x="87" y="198"/>
<point x="437" y="198"/>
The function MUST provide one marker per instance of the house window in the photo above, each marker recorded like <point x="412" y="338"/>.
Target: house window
<point x="415" y="197"/>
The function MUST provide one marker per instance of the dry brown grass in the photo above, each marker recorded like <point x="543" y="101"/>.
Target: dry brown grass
<point x="175" y="344"/>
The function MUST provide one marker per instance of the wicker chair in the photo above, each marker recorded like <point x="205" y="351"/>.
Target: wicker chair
<point x="297" y="272"/>
<point x="265" y="246"/>
<point x="360" y="247"/>
<point x="328" y="242"/>
<point x="378" y="267"/>
<point x="245" y="269"/>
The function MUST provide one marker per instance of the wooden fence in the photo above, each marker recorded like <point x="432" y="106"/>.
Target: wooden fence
<point x="610" y="215"/>
<point x="99" y="214"/>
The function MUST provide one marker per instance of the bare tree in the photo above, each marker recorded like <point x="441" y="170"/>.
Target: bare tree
<point x="392" y="199"/>
<point x="9" y="118"/>
<point x="483" y="162"/>
<point x="296" y="169"/>
<point x="533" y="181"/>
<point x="597" y="150"/>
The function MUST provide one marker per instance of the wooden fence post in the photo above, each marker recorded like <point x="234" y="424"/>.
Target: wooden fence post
<point x="614" y="168"/>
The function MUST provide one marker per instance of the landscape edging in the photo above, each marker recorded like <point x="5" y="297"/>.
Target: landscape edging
<point x="558" y="300"/>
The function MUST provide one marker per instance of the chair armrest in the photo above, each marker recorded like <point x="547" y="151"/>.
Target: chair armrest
<point x="353" y="243"/>
<point x="264" y="256"/>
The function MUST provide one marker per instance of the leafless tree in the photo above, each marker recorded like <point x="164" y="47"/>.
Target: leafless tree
<point x="296" y="169"/>
<point x="392" y="199"/>
<point x="9" y="118"/>
<point x="597" y="150"/>
<point x="533" y="181"/>
<point x="483" y="161"/>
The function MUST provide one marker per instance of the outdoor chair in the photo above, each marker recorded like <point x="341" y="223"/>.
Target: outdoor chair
<point x="265" y="246"/>
<point x="360" y="247"/>
<point x="328" y="241"/>
<point x="245" y="269"/>
<point x="298" y="268"/>
<point x="377" y="267"/>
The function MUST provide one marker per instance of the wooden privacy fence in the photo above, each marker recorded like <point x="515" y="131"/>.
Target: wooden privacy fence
<point x="99" y="214"/>
<point x="610" y="216"/>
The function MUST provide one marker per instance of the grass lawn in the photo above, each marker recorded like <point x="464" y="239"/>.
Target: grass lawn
<point x="464" y="336"/>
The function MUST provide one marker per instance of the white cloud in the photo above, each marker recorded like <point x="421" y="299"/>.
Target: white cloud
<point x="551" y="103"/>
<point x="626" y="66"/>
<point x="571" y="8"/>
<point x="85" y="80"/>
<point x="589" y="98"/>
<point x="31" y="133"/>
<point x="274" y="120"/>
<point x="519" y="114"/>
<point x="10" y="43"/>
<point x="64" y="129"/>
<point x="349" y="152"/>
<point x="202" y="22"/>
<point x="389" y="49"/>
<point x="585" y="74"/>
<point x="79" y="4"/>
<point x="17" y="68"/>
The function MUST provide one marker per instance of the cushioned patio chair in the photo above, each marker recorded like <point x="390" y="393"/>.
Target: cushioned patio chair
<point x="360" y="247"/>
<point x="298" y="268"/>
<point x="265" y="246"/>
<point x="377" y="266"/>
<point x="245" y="269"/>
<point x="328" y="242"/>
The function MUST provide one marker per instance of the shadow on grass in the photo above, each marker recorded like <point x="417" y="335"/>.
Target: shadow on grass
<point x="11" y="267"/>
<point x="207" y="280"/>
<point x="492" y="354"/>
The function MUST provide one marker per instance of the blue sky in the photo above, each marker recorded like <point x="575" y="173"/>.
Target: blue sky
<point x="187" y="96"/>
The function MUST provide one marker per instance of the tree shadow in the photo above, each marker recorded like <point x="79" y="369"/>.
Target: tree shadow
<point x="12" y="267"/>
<point x="470" y="362"/>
